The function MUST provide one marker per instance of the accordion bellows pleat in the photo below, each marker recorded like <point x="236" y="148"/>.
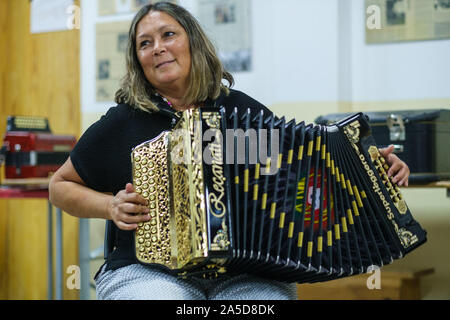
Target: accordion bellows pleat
<point x="252" y="193"/>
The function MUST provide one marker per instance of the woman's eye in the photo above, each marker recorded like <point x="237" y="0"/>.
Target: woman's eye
<point x="169" y="33"/>
<point x="144" y="43"/>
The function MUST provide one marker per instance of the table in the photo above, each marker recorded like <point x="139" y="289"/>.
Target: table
<point x="437" y="184"/>
<point x="16" y="193"/>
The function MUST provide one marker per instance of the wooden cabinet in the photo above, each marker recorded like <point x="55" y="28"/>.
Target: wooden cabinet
<point x="39" y="76"/>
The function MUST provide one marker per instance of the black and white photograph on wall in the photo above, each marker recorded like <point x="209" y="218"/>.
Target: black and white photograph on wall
<point x="103" y="69"/>
<point x="113" y="7"/>
<point x="228" y="24"/>
<point x="442" y="4"/>
<point x="409" y="20"/>
<point x="395" y="12"/>
<point x="122" y="41"/>
<point x="225" y="14"/>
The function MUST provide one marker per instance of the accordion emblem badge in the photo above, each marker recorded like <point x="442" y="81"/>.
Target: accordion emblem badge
<point x="240" y="192"/>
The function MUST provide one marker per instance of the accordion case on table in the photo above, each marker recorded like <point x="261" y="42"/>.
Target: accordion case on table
<point x="418" y="137"/>
<point x="31" y="152"/>
<point x="252" y="193"/>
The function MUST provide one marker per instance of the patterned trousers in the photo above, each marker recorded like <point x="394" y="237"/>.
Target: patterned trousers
<point x="138" y="282"/>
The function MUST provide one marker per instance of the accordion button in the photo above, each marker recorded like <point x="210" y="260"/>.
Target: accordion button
<point x="141" y="240"/>
<point x="145" y="195"/>
<point x="144" y="177"/>
<point x="148" y="244"/>
<point x="137" y="158"/>
<point x="146" y="227"/>
<point x="145" y="186"/>
<point x="137" y="166"/>
<point x="153" y="230"/>
<point x="144" y="161"/>
<point x="151" y="164"/>
<point x="137" y="174"/>
<point x="154" y="238"/>
<point x="153" y="213"/>
<point x="138" y="182"/>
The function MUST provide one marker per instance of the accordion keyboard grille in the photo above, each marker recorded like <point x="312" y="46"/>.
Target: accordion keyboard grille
<point x="150" y="178"/>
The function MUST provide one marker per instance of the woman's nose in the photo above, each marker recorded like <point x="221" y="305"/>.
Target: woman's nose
<point x="158" y="48"/>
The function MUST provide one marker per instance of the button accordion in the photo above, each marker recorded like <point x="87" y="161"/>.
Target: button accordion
<point x="31" y="153"/>
<point x="253" y="193"/>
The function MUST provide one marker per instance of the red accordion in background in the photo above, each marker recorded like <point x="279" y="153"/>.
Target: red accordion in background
<point x="30" y="150"/>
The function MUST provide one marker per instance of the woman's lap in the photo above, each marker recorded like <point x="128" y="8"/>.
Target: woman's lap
<point x="138" y="282"/>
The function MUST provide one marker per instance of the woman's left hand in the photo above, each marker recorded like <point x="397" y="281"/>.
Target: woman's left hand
<point x="398" y="169"/>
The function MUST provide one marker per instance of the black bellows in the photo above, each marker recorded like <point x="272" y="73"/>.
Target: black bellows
<point x="309" y="202"/>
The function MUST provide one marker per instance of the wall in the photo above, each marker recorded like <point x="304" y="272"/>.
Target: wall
<point x="279" y="49"/>
<point x="39" y="77"/>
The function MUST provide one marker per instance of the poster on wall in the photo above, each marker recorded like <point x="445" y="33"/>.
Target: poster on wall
<point x="50" y="15"/>
<point x="111" y="45"/>
<point x="112" y="7"/>
<point x="228" y="24"/>
<point x="407" y="20"/>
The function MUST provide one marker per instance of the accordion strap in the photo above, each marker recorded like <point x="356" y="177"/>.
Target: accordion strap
<point x="110" y="239"/>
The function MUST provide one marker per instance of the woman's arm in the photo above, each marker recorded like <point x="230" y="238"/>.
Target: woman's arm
<point x="69" y="192"/>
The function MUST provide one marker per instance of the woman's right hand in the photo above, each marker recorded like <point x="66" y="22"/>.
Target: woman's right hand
<point x="128" y="208"/>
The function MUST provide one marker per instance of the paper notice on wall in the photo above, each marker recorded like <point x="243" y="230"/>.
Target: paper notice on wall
<point x="228" y="24"/>
<point x="407" y="20"/>
<point x="51" y="15"/>
<point x="112" y="7"/>
<point x="111" y="46"/>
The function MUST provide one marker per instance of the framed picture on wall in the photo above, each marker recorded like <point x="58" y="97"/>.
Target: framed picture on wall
<point x="407" y="20"/>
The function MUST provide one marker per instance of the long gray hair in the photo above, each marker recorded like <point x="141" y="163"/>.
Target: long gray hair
<point x="206" y="73"/>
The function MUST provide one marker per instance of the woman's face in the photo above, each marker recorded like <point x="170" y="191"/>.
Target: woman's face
<point x="162" y="47"/>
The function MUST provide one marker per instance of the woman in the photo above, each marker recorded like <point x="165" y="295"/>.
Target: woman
<point x="171" y="66"/>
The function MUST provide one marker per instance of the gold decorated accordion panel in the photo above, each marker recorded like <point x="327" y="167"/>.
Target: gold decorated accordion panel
<point x="252" y="193"/>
